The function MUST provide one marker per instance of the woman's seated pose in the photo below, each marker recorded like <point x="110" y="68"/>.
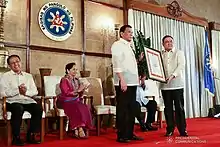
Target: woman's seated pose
<point x="70" y="100"/>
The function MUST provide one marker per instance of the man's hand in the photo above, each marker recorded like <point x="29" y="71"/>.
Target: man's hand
<point x="22" y="89"/>
<point x="170" y="78"/>
<point x="123" y="85"/>
<point x="141" y="56"/>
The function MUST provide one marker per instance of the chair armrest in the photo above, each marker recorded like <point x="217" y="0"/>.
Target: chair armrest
<point x="55" y="103"/>
<point x="4" y="110"/>
<point x="39" y="100"/>
<point x="89" y="98"/>
<point x="110" y="97"/>
<point x="36" y="97"/>
<point x="46" y="98"/>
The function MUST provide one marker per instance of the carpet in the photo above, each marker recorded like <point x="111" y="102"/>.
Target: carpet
<point x="203" y="132"/>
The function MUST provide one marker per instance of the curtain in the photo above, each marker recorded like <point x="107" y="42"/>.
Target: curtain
<point x="216" y="61"/>
<point x="187" y="37"/>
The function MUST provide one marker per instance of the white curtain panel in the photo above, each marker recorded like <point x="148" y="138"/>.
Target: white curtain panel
<point x="216" y="61"/>
<point x="187" y="37"/>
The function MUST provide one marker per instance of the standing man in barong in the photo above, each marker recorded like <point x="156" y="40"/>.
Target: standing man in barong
<point x="126" y="80"/>
<point x="173" y="90"/>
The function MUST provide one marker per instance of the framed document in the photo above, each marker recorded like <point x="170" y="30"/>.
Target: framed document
<point x="155" y="65"/>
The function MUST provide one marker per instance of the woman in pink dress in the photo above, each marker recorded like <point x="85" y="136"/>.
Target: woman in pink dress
<point x="70" y="100"/>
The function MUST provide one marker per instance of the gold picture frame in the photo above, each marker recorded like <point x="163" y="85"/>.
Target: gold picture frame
<point x="155" y="66"/>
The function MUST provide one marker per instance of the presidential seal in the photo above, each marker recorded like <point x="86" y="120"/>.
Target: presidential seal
<point x="56" y="21"/>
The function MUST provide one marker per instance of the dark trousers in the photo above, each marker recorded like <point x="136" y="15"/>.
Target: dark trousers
<point x="176" y="96"/>
<point x="125" y="111"/>
<point x="17" y="111"/>
<point x="151" y="111"/>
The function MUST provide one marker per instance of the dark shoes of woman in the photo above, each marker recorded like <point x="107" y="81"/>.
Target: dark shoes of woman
<point x="79" y="133"/>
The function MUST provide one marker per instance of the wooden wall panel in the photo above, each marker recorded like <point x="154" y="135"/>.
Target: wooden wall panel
<point x="100" y="20"/>
<point x="15" y="21"/>
<point x="99" y="66"/>
<point x="56" y="61"/>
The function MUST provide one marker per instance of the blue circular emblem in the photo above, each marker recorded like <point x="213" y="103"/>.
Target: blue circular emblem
<point x="56" y="21"/>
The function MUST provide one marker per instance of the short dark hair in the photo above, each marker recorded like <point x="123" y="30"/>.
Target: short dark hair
<point x="123" y="28"/>
<point x="166" y="36"/>
<point x="12" y="56"/>
<point x="69" y="66"/>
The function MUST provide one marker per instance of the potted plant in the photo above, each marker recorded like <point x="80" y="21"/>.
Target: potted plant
<point x="139" y="43"/>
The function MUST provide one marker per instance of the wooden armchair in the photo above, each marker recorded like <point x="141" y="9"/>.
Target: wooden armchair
<point x="6" y="117"/>
<point x="151" y="93"/>
<point x="159" y="113"/>
<point x="95" y="89"/>
<point x="51" y="84"/>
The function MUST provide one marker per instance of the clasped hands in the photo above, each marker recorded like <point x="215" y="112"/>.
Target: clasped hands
<point x="81" y="90"/>
<point x="22" y="89"/>
<point x="170" y="78"/>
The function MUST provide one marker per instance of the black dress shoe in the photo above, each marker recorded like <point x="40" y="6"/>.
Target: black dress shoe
<point x="17" y="141"/>
<point x="123" y="140"/>
<point x="143" y="128"/>
<point x="134" y="137"/>
<point x="32" y="140"/>
<point x="150" y="127"/>
<point x="169" y="134"/>
<point x="184" y="134"/>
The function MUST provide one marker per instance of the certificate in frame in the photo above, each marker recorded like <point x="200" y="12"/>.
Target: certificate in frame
<point x="155" y="65"/>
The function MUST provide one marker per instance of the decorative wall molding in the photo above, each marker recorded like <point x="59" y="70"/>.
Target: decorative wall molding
<point x="3" y="51"/>
<point x="14" y="45"/>
<point x="28" y="36"/>
<point x="98" y="54"/>
<point x="162" y="11"/>
<point x="55" y="50"/>
<point x="153" y="2"/>
<point x="174" y="9"/>
<point x="68" y="51"/>
<point x="83" y="33"/>
<point x="106" y="4"/>
<point x="125" y="11"/>
<point x="214" y="26"/>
